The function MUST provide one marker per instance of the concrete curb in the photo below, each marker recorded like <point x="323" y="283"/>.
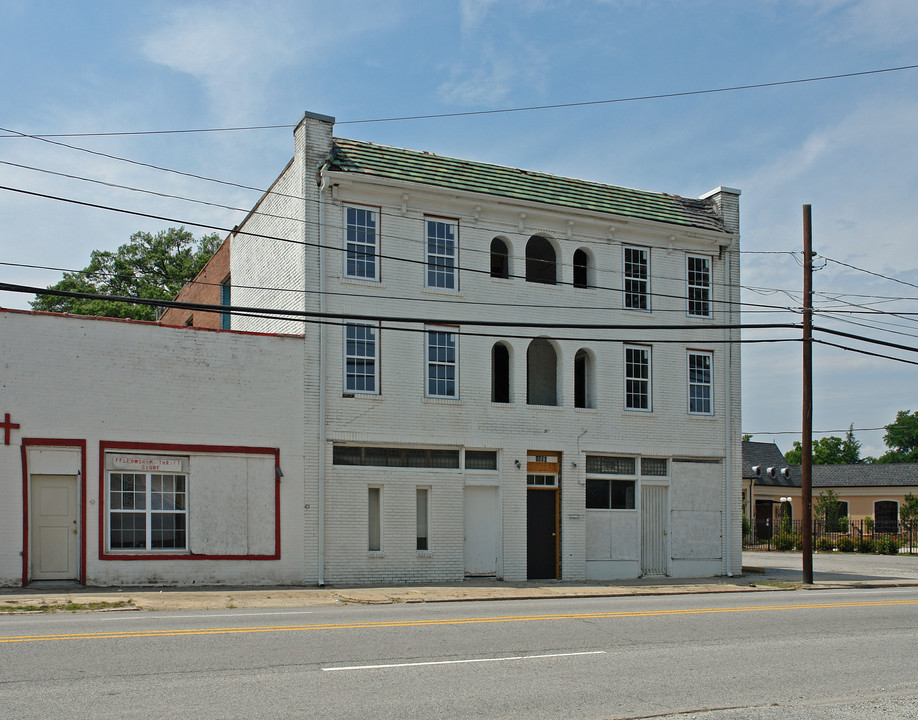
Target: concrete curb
<point x="79" y="599"/>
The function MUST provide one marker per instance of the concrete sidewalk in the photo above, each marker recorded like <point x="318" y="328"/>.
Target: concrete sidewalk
<point x="763" y="572"/>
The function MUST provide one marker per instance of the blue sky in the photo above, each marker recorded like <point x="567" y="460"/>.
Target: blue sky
<point x="846" y="146"/>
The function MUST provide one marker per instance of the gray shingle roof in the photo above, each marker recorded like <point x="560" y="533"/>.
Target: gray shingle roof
<point x="824" y="476"/>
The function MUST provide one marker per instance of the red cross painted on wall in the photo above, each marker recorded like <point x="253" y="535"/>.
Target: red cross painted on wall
<point x="7" y="426"/>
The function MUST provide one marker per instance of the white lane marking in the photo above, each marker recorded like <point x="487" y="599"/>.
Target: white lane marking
<point x="461" y="662"/>
<point x="205" y="615"/>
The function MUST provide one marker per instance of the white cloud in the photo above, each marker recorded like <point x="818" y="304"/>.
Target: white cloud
<point x="236" y="50"/>
<point x="473" y="12"/>
<point x="880" y="23"/>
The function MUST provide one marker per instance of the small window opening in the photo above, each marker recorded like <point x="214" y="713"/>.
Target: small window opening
<point x="500" y="373"/>
<point x="500" y="259"/>
<point x="581" y="268"/>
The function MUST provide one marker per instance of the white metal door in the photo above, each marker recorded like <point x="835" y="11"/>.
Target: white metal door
<point x="653" y="530"/>
<point x="55" y="530"/>
<point x="481" y="530"/>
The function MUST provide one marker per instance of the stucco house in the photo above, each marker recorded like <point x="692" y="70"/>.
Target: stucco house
<point x="469" y="370"/>
<point x="865" y="490"/>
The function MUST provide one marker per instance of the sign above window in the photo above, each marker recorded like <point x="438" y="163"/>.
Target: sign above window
<point x="146" y="463"/>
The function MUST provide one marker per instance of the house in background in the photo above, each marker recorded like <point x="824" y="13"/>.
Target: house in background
<point x="865" y="490"/>
<point x="461" y="369"/>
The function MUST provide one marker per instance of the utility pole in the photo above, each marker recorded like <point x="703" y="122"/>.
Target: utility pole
<point x="806" y="486"/>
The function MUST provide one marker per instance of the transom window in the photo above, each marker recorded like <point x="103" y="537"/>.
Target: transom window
<point x="360" y="243"/>
<point x="700" y="383"/>
<point x="637" y="378"/>
<point x="361" y="358"/>
<point x="698" y="283"/>
<point x="441" y="254"/>
<point x="147" y="511"/>
<point x="538" y="480"/>
<point x="636" y="277"/>
<point x="372" y="456"/>
<point x="442" y="374"/>
<point x="481" y="459"/>
<point x="656" y="467"/>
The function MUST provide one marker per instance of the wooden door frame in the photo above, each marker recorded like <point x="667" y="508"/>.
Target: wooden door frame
<point x="547" y="468"/>
<point x="26" y="496"/>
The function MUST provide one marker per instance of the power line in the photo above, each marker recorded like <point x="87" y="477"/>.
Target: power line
<point x="334" y="293"/>
<point x="869" y="272"/>
<point x="335" y="248"/>
<point x="865" y="352"/>
<point x="358" y="317"/>
<point x="313" y="223"/>
<point x="498" y="111"/>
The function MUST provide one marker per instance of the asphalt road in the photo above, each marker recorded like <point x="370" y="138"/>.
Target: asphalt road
<point x="768" y="655"/>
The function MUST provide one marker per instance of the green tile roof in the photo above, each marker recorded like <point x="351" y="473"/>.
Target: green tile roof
<point x="354" y="156"/>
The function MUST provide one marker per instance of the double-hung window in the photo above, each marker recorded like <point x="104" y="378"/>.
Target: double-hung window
<point x="147" y="505"/>
<point x="700" y="383"/>
<point x="442" y="250"/>
<point x="637" y="378"/>
<point x="636" y="278"/>
<point x="361" y="358"/>
<point x="698" y="285"/>
<point x="442" y="364"/>
<point x="361" y="243"/>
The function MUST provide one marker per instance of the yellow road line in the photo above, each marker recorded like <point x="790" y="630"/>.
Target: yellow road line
<point x="443" y="622"/>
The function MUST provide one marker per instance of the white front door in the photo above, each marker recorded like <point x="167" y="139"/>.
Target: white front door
<point x="481" y="530"/>
<point x="55" y="530"/>
<point x="654" y="548"/>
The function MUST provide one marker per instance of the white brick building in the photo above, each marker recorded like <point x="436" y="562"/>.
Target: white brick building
<point x="500" y="373"/>
<point x="537" y="467"/>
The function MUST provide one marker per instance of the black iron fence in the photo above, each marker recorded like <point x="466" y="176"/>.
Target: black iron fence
<point x="842" y="536"/>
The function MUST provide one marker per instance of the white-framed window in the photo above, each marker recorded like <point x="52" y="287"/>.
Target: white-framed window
<point x="361" y="243"/>
<point x="636" y="278"/>
<point x="608" y="493"/>
<point x="361" y="358"/>
<point x="442" y="363"/>
<point x="442" y="253"/>
<point x="698" y="285"/>
<point x="422" y="516"/>
<point x="700" y="382"/>
<point x="637" y="378"/>
<point x="148" y="506"/>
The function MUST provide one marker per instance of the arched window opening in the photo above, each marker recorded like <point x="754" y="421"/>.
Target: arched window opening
<point x="500" y="373"/>
<point x="500" y="259"/>
<point x="541" y="373"/>
<point x="581" y="269"/>
<point x="583" y="380"/>
<point x="541" y="261"/>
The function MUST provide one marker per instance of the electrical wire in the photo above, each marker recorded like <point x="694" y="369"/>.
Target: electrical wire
<point x="530" y="108"/>
<point x="358" y="317"/>
<point x="335" y="248"/>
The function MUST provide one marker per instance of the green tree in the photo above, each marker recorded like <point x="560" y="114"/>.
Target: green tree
<point x="149" y="266"/>
<point x="830" y="450"/>
<point x="908" y="512"/>
<point x="828" y="508"/>
<point x="901" y="438"/>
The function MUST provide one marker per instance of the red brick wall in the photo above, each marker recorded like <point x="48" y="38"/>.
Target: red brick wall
<point x="205" y="288"/>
